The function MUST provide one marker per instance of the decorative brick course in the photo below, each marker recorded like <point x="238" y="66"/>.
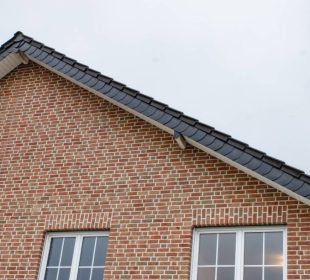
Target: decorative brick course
<point x="71" y="161"/>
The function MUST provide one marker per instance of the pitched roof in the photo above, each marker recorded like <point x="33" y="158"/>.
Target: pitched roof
<point x="185" y="129"/>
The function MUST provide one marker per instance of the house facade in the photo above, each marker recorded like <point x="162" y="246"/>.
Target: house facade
<point x="100" y="181"/>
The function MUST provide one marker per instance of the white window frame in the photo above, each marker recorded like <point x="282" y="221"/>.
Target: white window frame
<point x="239" y="254"/>
<point x="79" y="235"/>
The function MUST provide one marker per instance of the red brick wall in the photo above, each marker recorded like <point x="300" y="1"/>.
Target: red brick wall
<point x="71" y="161"/>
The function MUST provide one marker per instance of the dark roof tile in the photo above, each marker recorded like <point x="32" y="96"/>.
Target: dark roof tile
<point x="105" y="89"/>
<point x="72" y="72"/>
<point x="36" y="44"/>
<point x="181" y="127"/>
<point x="98" y="85"/>
<point x="305" y="178"/>
<point x="274" y="174"/>
<point x="42" y="56"/>
<point x="150" y="111"/>
<point x="220" y="135"/>
<point x="173" y="123"/>
<point x="134" y="103"/>
<point x="25" y="47"/>
<point x="159" y="105"/>
<point x="47" y="49"/>
<point x="144" y="98"/>
<point x="113" y="92"/>
<point x="126" y="100"/>
<point x="292" y="171"/>
<point x="254" y="164"/>
<point x="234" y="154"/>
<point x="53" y="62"/>
<point x="78" y="75"/>
<point x="304" y="190"/>
<point x="208" y="140"/>
<point x="217" y="144"/>
<point x="188" y="120"/>
<point x="173" y="112"/>
<point x="244" y="159"/>
<point x="284" y="179"/>
<point x="85" y="79"/>
<point x="36" y="53"/>
<point x="91" y="82"/>
<point x="69" y="60"/>
<point x="117" y="85"/>
<point x="80" y="66"/>
<point x="60" y="66"/>
<point x="66" y="69"/>
<point x="31" y="50"/>
<point x="264" y="169"/>
<point x="198" y="135"/>
<point x="225" y="149"/>
<point x="104" y="78"/>
<point x="47" y="59"/>
<point x="204" y="127"/>
<point x="131" y="91"/>
<point x="272" y="161"/>
<point x="254" y="152"/>
<point x="93" y="73"/>
<point x="192" y="131"/>
<point x="164" y="118"/>
<point x="294" y="185"/>
<point x="142" y="107"/>
<point x="120" y="95"/>
<point x="58" y="55"/>
<point x="238" y="144"/>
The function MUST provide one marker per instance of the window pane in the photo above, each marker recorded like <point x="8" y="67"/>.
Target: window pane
<point x="226" y="248"/>
<point x="67" y="251"/>
<point x="274" y="248"/>
<point x="225" y="273"/>
<point x="97" y="274"/>
<point x="273" y="273"/>
<point x="253" y="248"/>
<point x="83" y="274"/>
<point x="51" y="274"/>
<point x="101" y="251"/>
<point x="64" y="274"/>
<point x="207" y="249"/>
<point x="87" y="251"/>
<point x="253" y="273"/>
<point x="54" y="254"/>
<point x="206" y="273"/>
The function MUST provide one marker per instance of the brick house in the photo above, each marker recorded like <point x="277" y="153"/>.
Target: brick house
<point x="98" y="180"/>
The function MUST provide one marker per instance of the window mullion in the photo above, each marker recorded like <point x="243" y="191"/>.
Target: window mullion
<point x="239" y="255"/>
<point x="62" y="247"/>
<point x="76" y="257"/>
<point x="216" y="254"/>
<point x="92" y="262"/>
<point x="263" y="261"/>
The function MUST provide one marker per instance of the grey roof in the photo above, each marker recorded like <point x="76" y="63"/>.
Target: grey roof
<point x="257" y="161"/>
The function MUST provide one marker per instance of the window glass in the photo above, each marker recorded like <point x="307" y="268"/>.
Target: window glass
<point x="253" y="248"/>
<point x="207" y="249"/>
<point x="274" y="248"/>
<point x="226" y="249"/>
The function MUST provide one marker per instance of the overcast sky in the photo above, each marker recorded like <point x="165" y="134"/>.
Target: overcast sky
<point x="242" y="66"/>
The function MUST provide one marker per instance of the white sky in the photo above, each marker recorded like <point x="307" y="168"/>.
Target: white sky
<point x="241" y="66"/>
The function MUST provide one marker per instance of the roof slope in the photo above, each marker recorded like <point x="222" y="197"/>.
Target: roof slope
<point x="270" y="170"/>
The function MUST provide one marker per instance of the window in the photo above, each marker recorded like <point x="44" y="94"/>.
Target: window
<point x="239" y="254"/>
<point x="74" y="256"/>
